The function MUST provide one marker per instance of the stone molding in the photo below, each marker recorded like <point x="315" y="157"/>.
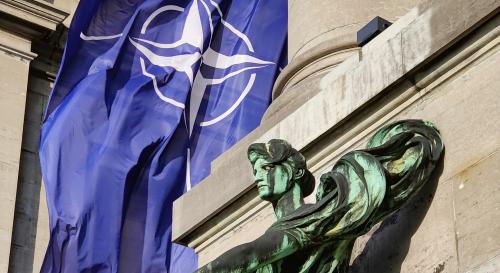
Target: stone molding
<point x="23" y="55"/>
<point x="35" y="12"/>
<point x="409" y="44"/>
<point x="300" y="68"/>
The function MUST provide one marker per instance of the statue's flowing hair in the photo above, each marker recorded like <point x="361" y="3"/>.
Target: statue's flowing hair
<point x="408" y="151"/>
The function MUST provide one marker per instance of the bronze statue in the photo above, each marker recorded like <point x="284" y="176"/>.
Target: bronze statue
<point x="362" y="188"/>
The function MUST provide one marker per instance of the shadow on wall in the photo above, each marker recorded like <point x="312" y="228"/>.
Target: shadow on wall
<point x="387" y="248"/>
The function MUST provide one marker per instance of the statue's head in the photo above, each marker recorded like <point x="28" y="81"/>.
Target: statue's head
<point x="277" y="168"/>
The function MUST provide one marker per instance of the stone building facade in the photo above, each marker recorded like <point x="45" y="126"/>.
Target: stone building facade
<point x="438" y="61"/>
<point x="32" y="35"/>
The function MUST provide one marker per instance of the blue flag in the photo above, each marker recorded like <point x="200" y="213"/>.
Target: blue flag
<point x="148" y="94"/>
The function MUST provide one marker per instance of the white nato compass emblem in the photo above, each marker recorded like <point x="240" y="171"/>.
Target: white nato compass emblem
<point x="192" y="34"/>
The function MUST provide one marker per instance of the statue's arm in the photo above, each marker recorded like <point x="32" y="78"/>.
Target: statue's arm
<point x="270" y="247"/>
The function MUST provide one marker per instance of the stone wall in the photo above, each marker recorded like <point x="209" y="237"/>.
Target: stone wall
<point x="438" y="62"/>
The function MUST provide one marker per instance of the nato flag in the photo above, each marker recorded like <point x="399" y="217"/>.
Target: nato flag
<point x="149" y="92"/>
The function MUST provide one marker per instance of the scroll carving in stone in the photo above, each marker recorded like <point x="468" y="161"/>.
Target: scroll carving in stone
<point x="362" y="188"/>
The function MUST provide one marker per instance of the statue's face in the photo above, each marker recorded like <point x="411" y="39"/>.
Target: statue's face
<point x="272" y="180"/>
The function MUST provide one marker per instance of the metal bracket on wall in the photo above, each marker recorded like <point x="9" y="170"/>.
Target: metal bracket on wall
<point x="371" y="30"/>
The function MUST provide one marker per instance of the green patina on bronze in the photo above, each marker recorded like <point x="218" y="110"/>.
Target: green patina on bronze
<point x="362" y="188"/>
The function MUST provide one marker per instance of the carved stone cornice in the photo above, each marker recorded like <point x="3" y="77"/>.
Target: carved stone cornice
<point x="23" y="55"/>
<point x="38" y="13"/>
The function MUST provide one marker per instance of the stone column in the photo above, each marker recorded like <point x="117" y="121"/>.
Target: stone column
<point x="15" y="57"/>
<point x="42" y="76"/>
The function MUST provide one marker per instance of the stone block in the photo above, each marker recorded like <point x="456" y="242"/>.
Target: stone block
<point x="421" y="237"/>
<point x="30" y="171"/>
<point x="431" y="31"/>
<point x="24" y="240"/>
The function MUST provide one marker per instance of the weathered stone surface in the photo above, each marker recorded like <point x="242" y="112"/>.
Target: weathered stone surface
<point x="430" y="32"/>
<point x="13" y="86"/>
<point x="477" y="206"/>
<point x="432" y="247"/>
<point x="491" y="266"/>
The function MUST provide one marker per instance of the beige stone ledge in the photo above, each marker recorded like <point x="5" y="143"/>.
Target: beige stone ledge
<point x="40" y="13"/>
<point x="406" y="46"/>
<point x="16" y="46"/>
<point x="68" y="6"/>
<point x="24" y="56"/>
